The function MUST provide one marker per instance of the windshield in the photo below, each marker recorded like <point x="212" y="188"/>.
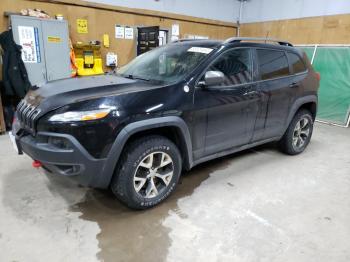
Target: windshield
<point x="168" y="64"/>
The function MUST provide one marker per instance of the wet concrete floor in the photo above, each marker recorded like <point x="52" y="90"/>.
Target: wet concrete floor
<point x="126" y="233"/>
<point x="258" y="205"/>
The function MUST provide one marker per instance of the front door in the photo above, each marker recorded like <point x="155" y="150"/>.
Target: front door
<point x="147" y="39"/>
<point x="231" y="108"/>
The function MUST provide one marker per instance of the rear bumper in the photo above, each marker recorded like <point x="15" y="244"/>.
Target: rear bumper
<point x="67" y="158"/>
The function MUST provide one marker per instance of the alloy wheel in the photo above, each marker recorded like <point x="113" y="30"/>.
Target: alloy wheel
<point x="153" y="174"/>
<point x="301" y="132"/>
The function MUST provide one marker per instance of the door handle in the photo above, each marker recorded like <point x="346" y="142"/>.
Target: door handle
<point x="294" y="85"/>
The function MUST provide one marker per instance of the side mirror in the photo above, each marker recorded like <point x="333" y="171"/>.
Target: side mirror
<point x="213" y="78"/>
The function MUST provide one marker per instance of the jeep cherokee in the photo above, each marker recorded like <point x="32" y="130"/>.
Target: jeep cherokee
<point x="168" y="110"/>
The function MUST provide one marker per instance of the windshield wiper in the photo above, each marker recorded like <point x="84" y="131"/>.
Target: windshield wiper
<point x="136" y="77"/>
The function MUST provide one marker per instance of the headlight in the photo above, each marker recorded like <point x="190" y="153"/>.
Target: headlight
<point x="80" y="115"/>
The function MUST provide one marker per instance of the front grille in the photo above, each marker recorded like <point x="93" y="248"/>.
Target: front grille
<point x="27" y="114"/>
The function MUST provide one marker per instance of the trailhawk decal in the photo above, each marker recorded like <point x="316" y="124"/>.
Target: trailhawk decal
<point x="204" y="50"/>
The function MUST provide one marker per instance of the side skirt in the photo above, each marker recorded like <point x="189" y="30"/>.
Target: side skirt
<point x="233" y="150"/>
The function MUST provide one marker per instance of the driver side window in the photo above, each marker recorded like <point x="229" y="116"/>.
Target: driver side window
<point x="236" y="66"/>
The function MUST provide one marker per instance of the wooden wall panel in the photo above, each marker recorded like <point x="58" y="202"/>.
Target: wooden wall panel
<point x="102" y="21"/>
<point x="314" y="30"/>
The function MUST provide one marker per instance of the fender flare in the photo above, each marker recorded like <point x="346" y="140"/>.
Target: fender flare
<point x="297" y="104"/>
<point x="133" y="128"/>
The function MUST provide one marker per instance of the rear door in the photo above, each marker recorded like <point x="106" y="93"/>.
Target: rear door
<point x="148" y="39"/>
<point x="278" y="90"/>
<point x="299" y="74"/>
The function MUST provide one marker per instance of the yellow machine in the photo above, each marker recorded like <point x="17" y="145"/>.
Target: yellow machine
<point x="88" y="59"/>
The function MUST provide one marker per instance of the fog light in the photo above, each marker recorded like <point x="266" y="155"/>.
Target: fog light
<point x="59" y="142"/>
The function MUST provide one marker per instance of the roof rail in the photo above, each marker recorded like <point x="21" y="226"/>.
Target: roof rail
<point x="240" y="39"/>
<point x="184" y="40"/>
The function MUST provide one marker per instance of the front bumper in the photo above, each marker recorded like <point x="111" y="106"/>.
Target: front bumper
<point x="70" y="160"/>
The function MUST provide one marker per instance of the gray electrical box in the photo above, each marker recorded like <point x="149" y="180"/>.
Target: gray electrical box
<point x="45" y="47"/>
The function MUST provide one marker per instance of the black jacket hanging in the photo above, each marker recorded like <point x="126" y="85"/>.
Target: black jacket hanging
<point x="14" y="73"/>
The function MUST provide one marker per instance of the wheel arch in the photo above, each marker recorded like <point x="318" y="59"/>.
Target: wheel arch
<point x="307" y="102"/>
<point x="310" y="106"/>
<point x="172" y="127"/>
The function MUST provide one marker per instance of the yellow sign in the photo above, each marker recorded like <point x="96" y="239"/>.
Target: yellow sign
<point x="82" y="26"/>
<point x="106" y="40"/>
<point x="53" y="39"/>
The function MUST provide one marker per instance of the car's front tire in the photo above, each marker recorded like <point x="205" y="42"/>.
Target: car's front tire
<point x="147" y="173"/>
<point x="298" y="135"/>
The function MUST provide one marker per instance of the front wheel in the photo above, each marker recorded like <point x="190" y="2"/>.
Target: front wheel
<point x="147" y="173"/>
<point x="298" y="134"/>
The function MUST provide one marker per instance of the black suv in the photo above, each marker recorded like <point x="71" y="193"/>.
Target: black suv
<point x="167" y="111"/>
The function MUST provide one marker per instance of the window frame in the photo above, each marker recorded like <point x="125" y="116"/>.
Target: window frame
<point x="251" y="61"/>
<point x="258" y="64"/>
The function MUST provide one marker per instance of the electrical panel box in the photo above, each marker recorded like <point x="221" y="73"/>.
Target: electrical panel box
<point x="45" y="47"/>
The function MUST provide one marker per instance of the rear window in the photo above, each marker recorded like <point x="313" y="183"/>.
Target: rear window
<point x="296" y="63"/>
<point x="272" y="64"/>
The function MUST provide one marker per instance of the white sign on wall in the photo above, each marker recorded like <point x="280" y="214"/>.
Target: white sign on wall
<point x="28" y="39"/>
<point x="129" y="33"/>
<point x="175" y="29"/>
<point x="119" y="31"/>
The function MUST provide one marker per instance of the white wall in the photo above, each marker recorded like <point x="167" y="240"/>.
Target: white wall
<point x="268" y="10"/>
<point x="222" y="10"/>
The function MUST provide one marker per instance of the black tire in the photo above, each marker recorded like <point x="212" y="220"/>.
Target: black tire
<point x="288" y="143"/>
<point x="130" y="167"/>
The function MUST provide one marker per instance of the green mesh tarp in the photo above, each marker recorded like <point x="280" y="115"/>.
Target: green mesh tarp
<point x="309" y="51"/>
<point x="333" y="63"/>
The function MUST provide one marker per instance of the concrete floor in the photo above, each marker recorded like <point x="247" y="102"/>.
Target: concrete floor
<point x="259" y="205"/>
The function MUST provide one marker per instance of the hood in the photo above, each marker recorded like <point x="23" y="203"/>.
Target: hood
<point x="59" y="93"/>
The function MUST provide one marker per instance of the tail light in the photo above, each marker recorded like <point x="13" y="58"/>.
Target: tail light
<point x="318" y="76"/>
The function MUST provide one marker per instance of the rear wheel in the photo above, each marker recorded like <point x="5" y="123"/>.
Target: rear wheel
<point x="147" y="173"/>
<point x="298" y="134"/>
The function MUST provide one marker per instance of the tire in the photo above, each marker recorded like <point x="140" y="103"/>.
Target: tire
<point x="144" y="176"/>
<point x="298" y="135"/>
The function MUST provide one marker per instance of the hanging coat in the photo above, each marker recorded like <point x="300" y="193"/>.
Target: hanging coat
<point x="14" y="74"/>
